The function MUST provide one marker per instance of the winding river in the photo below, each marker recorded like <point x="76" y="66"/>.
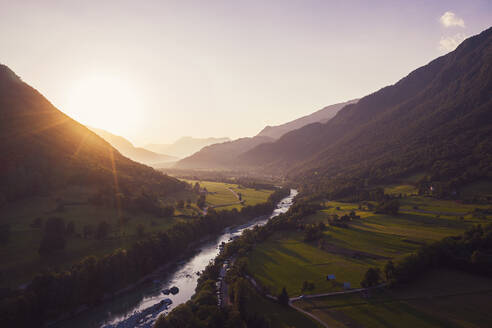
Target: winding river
<point x="141" y="306"/>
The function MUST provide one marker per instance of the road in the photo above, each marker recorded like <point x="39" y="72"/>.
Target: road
<point x="303" y="297"/>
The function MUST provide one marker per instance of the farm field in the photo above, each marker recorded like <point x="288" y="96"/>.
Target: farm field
<point x="221" y="195"/>
<point x="439" y="299"/>
<point x="278" y="315"/>
<point x="20" y="258"/>
<point x="286" y="260"/>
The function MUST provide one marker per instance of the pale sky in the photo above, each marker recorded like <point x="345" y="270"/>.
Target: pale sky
<point x="154" y="71"/>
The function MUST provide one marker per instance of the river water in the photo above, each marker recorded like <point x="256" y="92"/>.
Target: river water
<point x="141" y="306"/>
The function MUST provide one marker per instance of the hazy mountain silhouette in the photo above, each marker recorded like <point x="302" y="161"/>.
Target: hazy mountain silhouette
<point x="137" y="154"/>
<point x="322" y="116"/>
<point x="185" y="146"/>
<point x="221" y="155"/>
<point x="44" y="149"/>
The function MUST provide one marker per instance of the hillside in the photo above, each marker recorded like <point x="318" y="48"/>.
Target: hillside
<point x="322" y="116"/>
<point x="184" y="146"/>
<point x="138" y="154"/>
<point x="221" y="155"/>
<point x="44" y="150"/>
<point x="436" y="120"/>
<point x="224" y="155"/>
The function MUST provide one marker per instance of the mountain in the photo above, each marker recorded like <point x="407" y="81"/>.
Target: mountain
<point x="437" y="120"/>
<point x="126" y="148"/>
<point x="185" y="146"/>
<point x="223" y="155"/>
<point x="219" y="156"/>
<point x="45" y="150"/>
<point x="322" y="116"/>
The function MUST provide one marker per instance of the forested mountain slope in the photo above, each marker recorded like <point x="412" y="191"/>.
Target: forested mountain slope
<point x="437" y="119"/>
<point x="321" y="116"/>
<point x="43" y="149"/>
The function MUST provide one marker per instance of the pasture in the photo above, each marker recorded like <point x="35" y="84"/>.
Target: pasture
<point x="440" y="299"/>
<point x="285" y="259"/>
<point x="278" y="315"/>
<point x="20" y="258"/>
<point x="223" y="195"/>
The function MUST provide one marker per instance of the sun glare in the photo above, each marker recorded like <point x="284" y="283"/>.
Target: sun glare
<point x="106" y="102"/>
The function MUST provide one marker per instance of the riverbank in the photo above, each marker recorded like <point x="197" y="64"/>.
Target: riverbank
<point x="142" y="294"/>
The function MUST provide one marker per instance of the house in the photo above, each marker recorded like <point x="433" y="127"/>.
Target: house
<point x="346" y="285"/>
<point x="330" y="277"/>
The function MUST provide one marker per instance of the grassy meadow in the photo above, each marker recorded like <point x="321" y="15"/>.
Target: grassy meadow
<point x="221" y="195"/>
<point x="285" y="259"/>
<point x="440" y="299"/>
<point x="279" y="316"/>
<point x="20" y="258"/>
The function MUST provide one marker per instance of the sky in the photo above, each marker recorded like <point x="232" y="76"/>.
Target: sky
<point x="153" y="71"/>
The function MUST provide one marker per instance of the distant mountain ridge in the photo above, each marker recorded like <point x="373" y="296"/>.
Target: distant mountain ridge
<point x="185" y="146"/>
<point x="321" y="116"/>
<point x="137" y="154"/>
<point x="219" y="156"/>
<point x="224" y="155"/>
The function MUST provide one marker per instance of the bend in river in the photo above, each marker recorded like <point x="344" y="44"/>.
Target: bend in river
<point x="142" y="306"/>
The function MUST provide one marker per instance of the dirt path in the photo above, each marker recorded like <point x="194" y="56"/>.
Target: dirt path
<point x="434" y="212"/>
<point x="303" y="297"/>
<point x="312" y="316"/>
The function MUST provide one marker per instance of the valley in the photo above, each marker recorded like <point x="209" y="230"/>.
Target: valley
<point x="349" y="182"/>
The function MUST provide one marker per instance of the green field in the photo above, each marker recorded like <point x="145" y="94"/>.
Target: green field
<point x="440" y="299"/>
<point x="279" y="316"/>
<point x="286" y="260"/>
<point x="221" y="195"/>
<point x="20" y="258"/>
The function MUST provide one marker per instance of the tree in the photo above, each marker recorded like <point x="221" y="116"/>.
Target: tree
<point x="53" y="237"/>
<point x="4" y="233"/>
<point x="88" y="230"/>
<point x="388" y="207"/>
<point x="70" y="228"/>
<point x="371" y="278"/>
<point x="140" y="230"/>
<point x="283" y="298"/>
<point x="389" y="270"/>
<point x="167" y="211"/>
<point x="201" y="201"/>
<point x="37" y="222"/>
<point x="102" y="230"/>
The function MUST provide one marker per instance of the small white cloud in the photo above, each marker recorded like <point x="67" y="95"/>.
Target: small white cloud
<point x="449" y="43"/>
<point x="449" y="19"/>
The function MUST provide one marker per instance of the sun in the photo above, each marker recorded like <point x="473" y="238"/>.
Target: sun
<point x="107" y="102"/>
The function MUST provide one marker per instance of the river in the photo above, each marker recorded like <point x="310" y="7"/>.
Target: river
<point x="140" y="307"/>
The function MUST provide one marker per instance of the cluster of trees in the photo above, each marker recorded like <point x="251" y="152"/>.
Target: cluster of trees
<point x="391" y="207"/>
<point x="471" y="252"/>
<point x="342" y="221"/>
<point x="314" y="232"/>
<point x="53" y="293"/>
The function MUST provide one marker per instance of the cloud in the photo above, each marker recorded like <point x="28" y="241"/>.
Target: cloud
<point x="449" y="43"/>
<point x="449" y="19"/>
